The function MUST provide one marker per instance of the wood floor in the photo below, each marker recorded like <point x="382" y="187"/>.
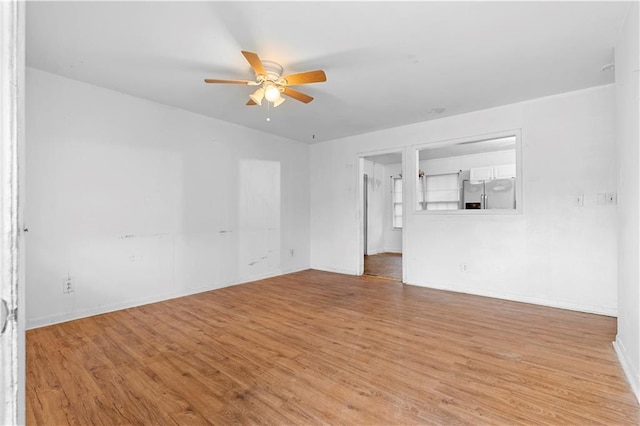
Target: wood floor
<point x="321" y="348"/>
<point x="384" y="265"/>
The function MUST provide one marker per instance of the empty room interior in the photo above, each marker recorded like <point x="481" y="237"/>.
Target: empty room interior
<point x="329" y="213"/>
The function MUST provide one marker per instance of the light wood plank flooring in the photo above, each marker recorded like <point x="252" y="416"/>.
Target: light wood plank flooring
<point x="322" y="348"/>
<point x="384" y="265"/>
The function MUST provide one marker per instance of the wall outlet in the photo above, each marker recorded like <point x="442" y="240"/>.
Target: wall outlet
<point x="464" y="267"/>
<point x="578" y="200"/>
<point x="612" y="198"/>
<point x="67" y="286"/>
<point x="292" y="252"/>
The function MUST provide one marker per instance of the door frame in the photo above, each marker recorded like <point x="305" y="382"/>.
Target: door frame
<point x="361" y="156"/>
<point x="12" y="85"/>
<point x="365" y="212"/>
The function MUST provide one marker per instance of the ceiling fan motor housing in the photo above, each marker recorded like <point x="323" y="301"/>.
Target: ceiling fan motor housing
<point x="273" y="69"/>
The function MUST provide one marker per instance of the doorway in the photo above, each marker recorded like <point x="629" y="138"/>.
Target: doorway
<point x="382" y="215"/>
<point x="384" y="265"/>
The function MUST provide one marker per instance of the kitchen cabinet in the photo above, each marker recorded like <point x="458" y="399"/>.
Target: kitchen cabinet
<point x="481" y="173"/>
<point x="505" y="171"/>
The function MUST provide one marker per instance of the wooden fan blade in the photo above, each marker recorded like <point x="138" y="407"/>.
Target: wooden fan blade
<point x="298" y="96"/>
<point x="251" y="102"/>
<point x="317" y="76"/>
<point x="255" y="62"/>
<point x="215" y="80"/>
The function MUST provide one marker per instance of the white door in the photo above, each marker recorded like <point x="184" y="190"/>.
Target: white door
<point x="12" y="358"/>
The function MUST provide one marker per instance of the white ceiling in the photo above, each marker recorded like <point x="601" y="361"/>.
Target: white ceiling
<point x="387" y="63"/>
<point x="455" y="149"/>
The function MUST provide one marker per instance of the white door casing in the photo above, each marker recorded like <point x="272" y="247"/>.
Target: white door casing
<point x="12" y="348"/>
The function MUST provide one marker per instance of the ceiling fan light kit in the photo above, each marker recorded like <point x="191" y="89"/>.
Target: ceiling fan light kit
<point x="271" y="91"/>
<point x="272" y="84"/>
<point x="278" y="101"/>
<point x="257" y="96"/>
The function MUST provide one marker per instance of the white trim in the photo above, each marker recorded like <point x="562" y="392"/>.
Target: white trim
<point x="591" y="309"/>
<point x="360" y="237"/>
<point x="633" y="377"/>
<point x="392" y="214"/>
<point x="12" y="355"/>
<point x="385" y="250"/>
<point x="394" y="250"/>
<point x="378" y="251"/>
<point x="335" y="270"/>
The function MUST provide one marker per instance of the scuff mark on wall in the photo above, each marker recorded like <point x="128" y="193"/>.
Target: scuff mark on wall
<point x="262" y="259"/>
<point x="129" y="236"/>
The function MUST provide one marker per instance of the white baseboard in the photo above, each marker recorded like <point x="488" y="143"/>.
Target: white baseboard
<point x="98" y="310"/>
<point x="633" y="377"/>
<point x="372" y="252"/>
<point x="334" y="270"/>
<point x="591" y="309"/>
<point x="393" y="250"/>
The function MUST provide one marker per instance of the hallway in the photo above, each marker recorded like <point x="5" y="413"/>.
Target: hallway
<point x="384" y="265"/>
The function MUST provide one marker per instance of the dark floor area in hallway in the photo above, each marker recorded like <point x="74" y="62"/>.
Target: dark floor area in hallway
<point x="384" y="265"/>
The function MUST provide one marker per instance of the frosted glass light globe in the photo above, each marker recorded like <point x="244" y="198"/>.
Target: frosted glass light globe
<point x="271" y="93"/>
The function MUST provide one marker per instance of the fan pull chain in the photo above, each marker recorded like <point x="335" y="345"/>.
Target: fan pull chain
<point x="268" y="110"/>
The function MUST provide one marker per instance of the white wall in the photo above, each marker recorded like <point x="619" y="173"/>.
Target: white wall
<point x="392" y="237"/>
<point x="554" y="253"/>
<point x="139" y="202"/>
<point x="628" y="136"/>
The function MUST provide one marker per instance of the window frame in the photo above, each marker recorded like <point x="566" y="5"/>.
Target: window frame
<point x="394" y="203"/>
<point x="454" y="176"/>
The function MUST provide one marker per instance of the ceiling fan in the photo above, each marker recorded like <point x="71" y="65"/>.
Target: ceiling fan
<point x="272" y="83"/>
